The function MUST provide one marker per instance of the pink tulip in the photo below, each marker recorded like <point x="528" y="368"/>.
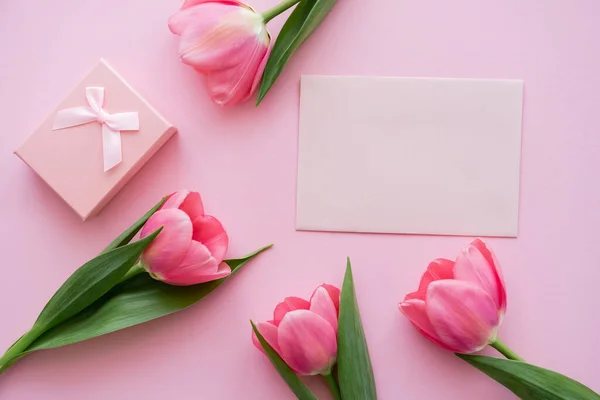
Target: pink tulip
<point x="459" y="305"/>
<point x="226" y="41"/>
<point x="191" y="246"/>
<point x="304" y="333"/>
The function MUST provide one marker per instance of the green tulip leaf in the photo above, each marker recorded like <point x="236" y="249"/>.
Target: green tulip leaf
<point x="135" y="301"/>
<point x="129" y="234"/>
<point x="295" y="384"/>
<point x="84" y="287"/>
<point x="530" y="382"/>
<point x="305" y="18"/>
<point x="355" y="372"/>
<point x="89" y="282"/>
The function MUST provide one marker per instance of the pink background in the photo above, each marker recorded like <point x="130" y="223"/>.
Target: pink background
<point x="243" y="160"/>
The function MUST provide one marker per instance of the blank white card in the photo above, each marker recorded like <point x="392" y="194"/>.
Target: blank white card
<point x="409" y="155"/>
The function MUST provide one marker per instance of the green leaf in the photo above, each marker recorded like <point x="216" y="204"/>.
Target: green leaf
<point x="135" y="301"/>
<point x="89" y="282"/>
<point x="126" y="236"/>
<point x="288" y="375"/>
<point x="86" y="285"/>
<point x="355" y="372"/>
<point x="302" y="22"/>
<point x="530" y="382"/>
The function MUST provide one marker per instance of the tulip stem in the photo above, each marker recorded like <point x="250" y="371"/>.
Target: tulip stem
<point x="333" y="386"/>
<point x="278" y="9"/>
<point x="505" y="351"/>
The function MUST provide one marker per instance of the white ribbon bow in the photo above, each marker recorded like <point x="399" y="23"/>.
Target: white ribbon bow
<point x="112" y="124"/>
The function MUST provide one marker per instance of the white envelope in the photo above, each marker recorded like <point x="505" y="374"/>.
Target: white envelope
<point x="409" y="155"/>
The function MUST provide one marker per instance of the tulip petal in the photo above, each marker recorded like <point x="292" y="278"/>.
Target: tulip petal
<point x="473" y="266"/>
<point x="438" y="269"/>
<point x="206" y="14"/>
<point x="192" y="206"/>
<point x="308" y="342"/>
<point x="415" y="311"/>
<point x="175" y="199"/>
<point x="209" y="231"/>
<point x="463" y="315"/>
<point x="191" y="3"/>
<point x="233" y="85"/>
<point x="491" y="258"/>
<point x="194" y="278"/>
<point x="199" y="258"/>
<point x="334" y="293"/>
<point x="220" y="39"/>
<point x="171" y="245"/>
<point x="269" y="331"/>
<point x="198" y="266"/>
<point x="188" y="202"/>
<point x="289" y="304"/>
<point x="322" y="304"/>
<point x="261" y="68"/>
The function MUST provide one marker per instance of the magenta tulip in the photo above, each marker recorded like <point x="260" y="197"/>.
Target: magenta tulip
<point x="304" y="333"/>
<point x="459" y="305"/>
<point x="191" y="246"/>
<point x="226" y="41"/>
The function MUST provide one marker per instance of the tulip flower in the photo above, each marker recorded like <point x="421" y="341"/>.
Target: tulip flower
<point x="191" y="246"/>
<point x="304" y="333"/>
<point x="179" y="245"/>
<point x="460" y="304"/>
<point x="226" y="41"/>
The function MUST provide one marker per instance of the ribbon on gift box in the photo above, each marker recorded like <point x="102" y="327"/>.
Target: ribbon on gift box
<point x="112" y="124"/>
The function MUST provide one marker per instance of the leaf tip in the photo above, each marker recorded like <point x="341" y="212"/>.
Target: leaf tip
<point x="348" y="267"/>
<point x="154" y="234"/>
<point x="260" y="97"/>
<point x="264" y="248"/>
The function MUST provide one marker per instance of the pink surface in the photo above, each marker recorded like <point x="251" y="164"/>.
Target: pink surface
<point x="70" y="159"/>
<point x="243" y="160"/>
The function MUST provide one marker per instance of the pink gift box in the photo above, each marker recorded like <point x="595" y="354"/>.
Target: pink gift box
<point x="72" y="159"/>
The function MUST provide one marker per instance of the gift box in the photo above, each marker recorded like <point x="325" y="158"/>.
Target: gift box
<point x="95" y="141"/>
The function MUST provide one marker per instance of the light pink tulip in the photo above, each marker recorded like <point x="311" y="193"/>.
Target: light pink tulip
<point x="226" y="41"/>
<point x="191" y="246"/>
<point x="459" y="305"/>
<point x="304" y="333"/>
